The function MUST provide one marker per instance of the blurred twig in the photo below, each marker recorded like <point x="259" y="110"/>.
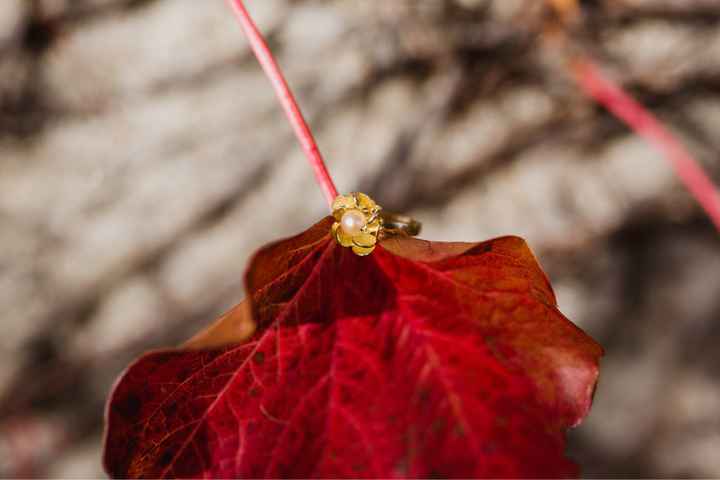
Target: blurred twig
<point x="617" y="101"/>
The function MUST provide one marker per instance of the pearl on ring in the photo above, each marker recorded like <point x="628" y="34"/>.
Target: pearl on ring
<point x="352" y="222"/>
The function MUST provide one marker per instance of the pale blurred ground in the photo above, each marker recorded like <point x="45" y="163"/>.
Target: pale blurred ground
<point x="143" y="158"/>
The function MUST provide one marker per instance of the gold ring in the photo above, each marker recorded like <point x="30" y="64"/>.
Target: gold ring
<point x="359" y="223"/>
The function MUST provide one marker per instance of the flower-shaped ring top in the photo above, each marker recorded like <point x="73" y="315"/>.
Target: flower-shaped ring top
<point x="358" y="222"/>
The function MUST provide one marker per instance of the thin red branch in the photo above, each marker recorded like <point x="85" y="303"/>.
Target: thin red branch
<point x="642" y="122"/>
<point x="287" y="100"/>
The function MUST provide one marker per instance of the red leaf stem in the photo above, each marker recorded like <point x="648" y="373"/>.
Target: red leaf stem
<point x="287" y="100"/>
<point x="642" y="122"/>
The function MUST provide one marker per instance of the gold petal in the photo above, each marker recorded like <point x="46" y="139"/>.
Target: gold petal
<point x="373" y="227"/>
<point x="365" y="203"/>
<point x="342" y="203"/>
<point x="339" y="235"/>
<point x="343" y="238"/>
<point x="364" y="240"/>
<point x="362" y="251"/>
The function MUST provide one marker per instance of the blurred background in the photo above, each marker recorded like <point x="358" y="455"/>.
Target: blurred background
<point x="143" y="158"/>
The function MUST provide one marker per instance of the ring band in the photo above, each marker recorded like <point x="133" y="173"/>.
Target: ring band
<point x="397" y="224"/>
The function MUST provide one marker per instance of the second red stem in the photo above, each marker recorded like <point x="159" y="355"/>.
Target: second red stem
<point x="622" y="105"/>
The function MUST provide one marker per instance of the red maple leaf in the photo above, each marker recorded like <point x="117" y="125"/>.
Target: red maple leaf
<point x="421" y="359"/>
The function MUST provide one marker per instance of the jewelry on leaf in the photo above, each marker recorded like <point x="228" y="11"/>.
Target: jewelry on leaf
<point x="360" y="222"/>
